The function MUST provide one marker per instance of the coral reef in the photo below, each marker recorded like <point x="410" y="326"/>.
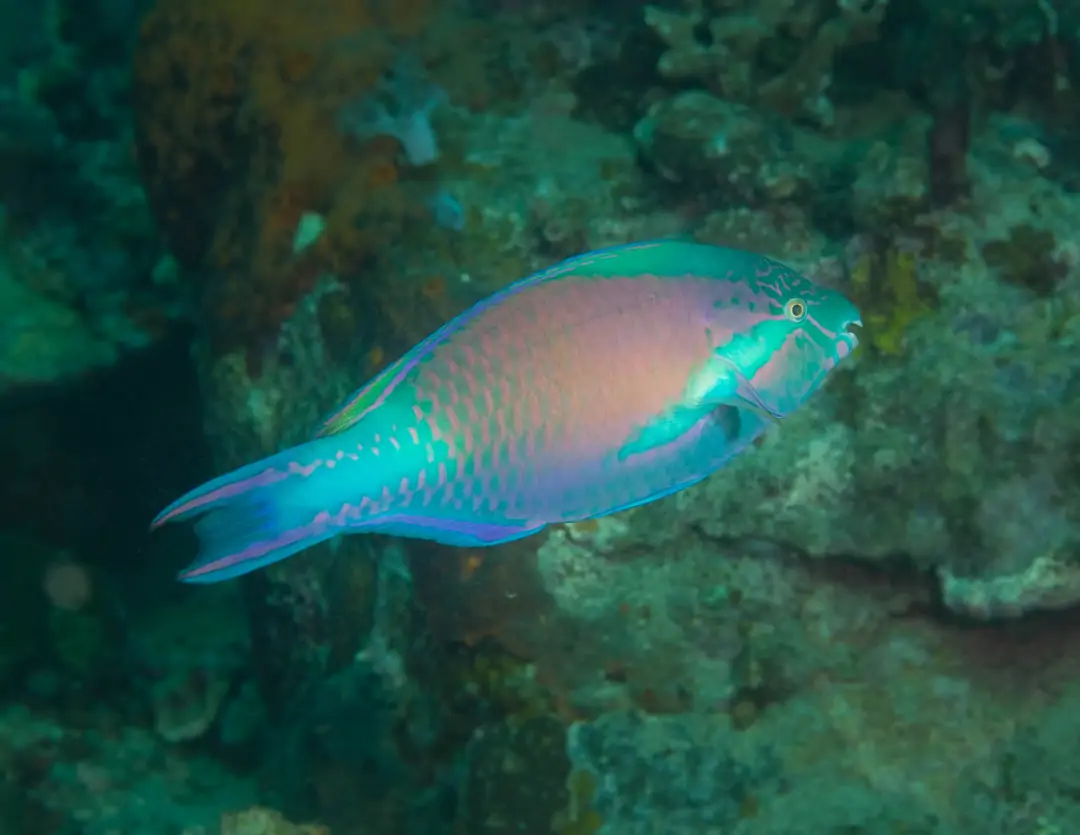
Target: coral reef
<point x="89" y="747"/>
<point x="244" y="126"/>
<point x="865" y="624"/>
<point x="84" y="280"/>
<point x="261" y="821"/>
<point x="723" y="49"/>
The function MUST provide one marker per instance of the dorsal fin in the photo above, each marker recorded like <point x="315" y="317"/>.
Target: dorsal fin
<point x="362" y="401"/>
<point x="375" y="392"/>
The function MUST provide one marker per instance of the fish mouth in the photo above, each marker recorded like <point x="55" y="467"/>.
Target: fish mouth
<point x="849" y="340"/>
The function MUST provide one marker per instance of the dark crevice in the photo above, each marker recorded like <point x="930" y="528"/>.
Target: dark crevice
<point x="87" y="464"/>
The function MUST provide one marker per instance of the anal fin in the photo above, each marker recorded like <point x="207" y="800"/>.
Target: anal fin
<point x="461" y="533"/>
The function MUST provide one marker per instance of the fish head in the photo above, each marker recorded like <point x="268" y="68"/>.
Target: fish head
<point x="799" y="334"/>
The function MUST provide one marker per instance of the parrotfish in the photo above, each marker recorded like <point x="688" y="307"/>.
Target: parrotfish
<point x="607" y="381"/>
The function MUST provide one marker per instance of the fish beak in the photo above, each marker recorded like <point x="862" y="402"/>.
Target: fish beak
<point x="849" y="340"/>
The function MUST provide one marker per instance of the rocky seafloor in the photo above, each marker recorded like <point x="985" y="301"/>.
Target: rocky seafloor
<point x="218" y="218"/>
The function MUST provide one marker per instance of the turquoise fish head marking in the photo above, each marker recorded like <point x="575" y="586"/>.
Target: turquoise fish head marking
<point x="783" y="333"/>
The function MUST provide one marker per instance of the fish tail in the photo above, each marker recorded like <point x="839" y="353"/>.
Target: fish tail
<point x="261" y="513"/>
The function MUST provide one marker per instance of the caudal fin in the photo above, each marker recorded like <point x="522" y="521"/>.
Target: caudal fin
<point x="258" y="514"/>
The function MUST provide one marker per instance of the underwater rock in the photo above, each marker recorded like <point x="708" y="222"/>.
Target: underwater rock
<point x="44" y="340"/>
<point x="261" y="821"/>
<point x="692" y="771"/>
<point x="826" y="692"/>
<point x="729" y="152"/>
<point x="516" y="776"/>
<point x="642" y="660"/>
<point x="98" y="777"/>
<point x="723" y="50"/>
<point x="892" y="179"/>
<point x="238" y="137"/>
<point x="80" y="281"/>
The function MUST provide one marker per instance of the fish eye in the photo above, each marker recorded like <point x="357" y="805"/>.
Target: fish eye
<point x="795" y="310"/>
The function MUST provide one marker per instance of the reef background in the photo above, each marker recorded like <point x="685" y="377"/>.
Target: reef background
<point x="217" y="217"/>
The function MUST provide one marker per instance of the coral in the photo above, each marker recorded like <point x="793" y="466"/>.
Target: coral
<point x="400" y="106"/>
<point x="725" y="59"/>
<point x="188" y="671"/>
<point x="581" y="818"/>
<point x="689" y="772"/>
<point x="43" y="340"/>
<point x="954" y="419"/>
<point x="677" y="642"/>
<point x="1027" y="258"/>
<point x="237" y="139"/>
<point x="1049" y="581"/>
<point x="261" y="821"/>
<point x="77" y="248"/>
<point x="95" y="777"/>
<point x="727" y="151"/>
<point x="186" y="703"/>
<point x="843" y="683"/>
<point x="892" y="178"/>
<point x="885" y="284"/>
<point x="515" y="779"/>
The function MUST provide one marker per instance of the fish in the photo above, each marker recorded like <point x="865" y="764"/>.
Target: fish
<point x="607" y="381"/>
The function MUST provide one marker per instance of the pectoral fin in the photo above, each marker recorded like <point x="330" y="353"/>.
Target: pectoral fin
<point x="719" y="393"/>
<point x="661" y="430"/>
<point x="730" y="387"/>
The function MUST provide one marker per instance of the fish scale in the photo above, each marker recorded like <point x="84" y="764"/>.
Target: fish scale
<point x="609" y="380"/>
<point x="577" y="382"/>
